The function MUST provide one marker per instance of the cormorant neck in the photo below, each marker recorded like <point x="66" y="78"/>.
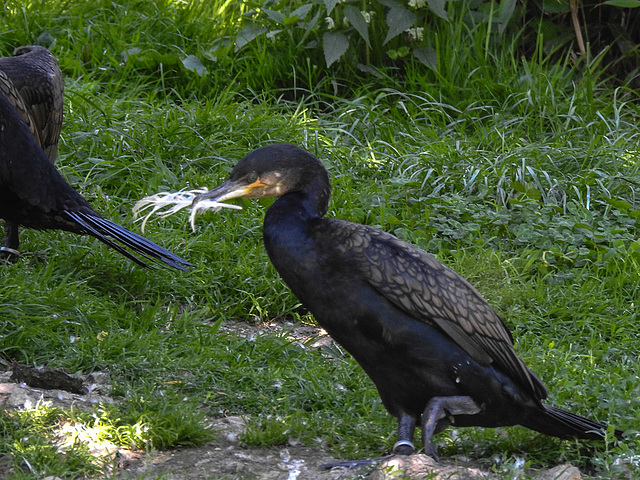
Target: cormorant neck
<point x="317" y="194"/>
<point x="310" y="199"/>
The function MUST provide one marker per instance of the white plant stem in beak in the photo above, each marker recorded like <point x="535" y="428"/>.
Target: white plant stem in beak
<point x="176" y="201"/>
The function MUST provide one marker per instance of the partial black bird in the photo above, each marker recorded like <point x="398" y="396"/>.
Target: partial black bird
<point x="33" y="194"/>
<point x="31" y="81"/>
<point x="433" y="346"/>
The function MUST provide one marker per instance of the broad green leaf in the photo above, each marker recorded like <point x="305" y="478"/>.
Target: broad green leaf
<point x="618" y="203"/>
<point x="518" y="187"/>
<point x="623" y="3"/>
<point x="619" y="245"/>
<point x="330" y="4"/>
<point x="399" y="53"/>
<point x="556" y="6"/>
<point x="390" y="3"/>
<point x="301" y="12"/>
<point x="506" y="10"/>
<point x="193" y="64"/>
<point x="398" y="20"/>
<point x="357" y="20"/>
<point x="437" y="7"/>
<point x="334" y="45"/>
<point x="427" y="56"/>
<point x="533" y="192"/>
<point x="403" y="234"/>
<point x="584" y="226"/>
<point x="247" y="35"/>
<point x="274" y="15"/>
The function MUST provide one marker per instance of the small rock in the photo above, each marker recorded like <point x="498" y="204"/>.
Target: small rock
<point x="561" y="472"/>
<point x="229" y="428"/>
<point x="422" y="466"/>
<point x="22" y="399"/>
<point x="49" y="378"/>
<point x="99" y="378"/>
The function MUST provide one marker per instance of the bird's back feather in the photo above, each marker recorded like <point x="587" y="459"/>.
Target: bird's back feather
<point x="424" y="288"/>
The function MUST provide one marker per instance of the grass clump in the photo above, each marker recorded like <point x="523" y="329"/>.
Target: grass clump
<point x="520" y="173"/>
<point x="29" y="439"/>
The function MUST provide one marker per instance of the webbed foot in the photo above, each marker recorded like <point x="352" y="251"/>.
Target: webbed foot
<point x="437" y="416"/>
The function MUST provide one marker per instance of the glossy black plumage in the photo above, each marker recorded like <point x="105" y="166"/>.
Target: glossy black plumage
<point x="31" y="81"/>
<point x="435" y="349"/>
<point x="34" y="195"/>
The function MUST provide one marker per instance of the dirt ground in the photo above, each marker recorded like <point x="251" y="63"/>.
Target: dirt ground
<point x="225" y="458"/>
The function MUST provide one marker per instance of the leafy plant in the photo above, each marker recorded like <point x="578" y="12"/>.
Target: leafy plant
<point x="337" y="26"/>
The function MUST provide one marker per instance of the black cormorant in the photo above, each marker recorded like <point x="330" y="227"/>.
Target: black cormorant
<point x="435" y="349"/>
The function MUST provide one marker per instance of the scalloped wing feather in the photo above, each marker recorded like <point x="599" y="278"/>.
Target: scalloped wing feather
<point x="430" y="292"/>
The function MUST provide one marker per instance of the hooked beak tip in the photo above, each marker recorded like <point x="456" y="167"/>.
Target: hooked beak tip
<point x="197" y="199"/>
<point x="224" y="192"/>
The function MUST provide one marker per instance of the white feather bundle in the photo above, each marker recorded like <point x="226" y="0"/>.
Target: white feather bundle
<point x="176" y="201"/>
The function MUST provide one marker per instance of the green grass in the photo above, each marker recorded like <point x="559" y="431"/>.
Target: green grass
<point x="518" y="173"/>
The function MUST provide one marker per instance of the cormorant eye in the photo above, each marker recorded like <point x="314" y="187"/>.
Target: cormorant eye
<point x="252" y="177"/>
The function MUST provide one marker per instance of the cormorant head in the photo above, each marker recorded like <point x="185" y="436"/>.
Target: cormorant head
<point x="269" y="171"/>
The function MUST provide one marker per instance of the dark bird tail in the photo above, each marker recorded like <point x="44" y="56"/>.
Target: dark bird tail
<point x="109" y="233"/>
<point x="562" y="424"/>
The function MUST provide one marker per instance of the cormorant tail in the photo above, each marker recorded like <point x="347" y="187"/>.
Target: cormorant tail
<point x="563" y="424"/>
<point x="102" y="229"/>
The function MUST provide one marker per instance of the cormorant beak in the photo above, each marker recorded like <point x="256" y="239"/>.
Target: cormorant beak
<point x="230" y="190"/>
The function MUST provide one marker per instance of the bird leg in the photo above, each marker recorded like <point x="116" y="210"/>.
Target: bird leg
<point x="436" y="417"/>
<point x="9" y="249"/>
<point x="406" y="428"/>
<point x="404" y="446"/>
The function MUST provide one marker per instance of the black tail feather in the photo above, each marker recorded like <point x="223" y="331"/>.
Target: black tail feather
<point x="102" y="229"/>
<point x="140" y="244"/>
<point x="563" y="424"/>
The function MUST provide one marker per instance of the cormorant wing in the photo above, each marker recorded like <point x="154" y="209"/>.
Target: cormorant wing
<point x="430" y="292"/>
<point x="9" y="91"/>
<point x="25" y="170"/>
<point x="36" y="78"/>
